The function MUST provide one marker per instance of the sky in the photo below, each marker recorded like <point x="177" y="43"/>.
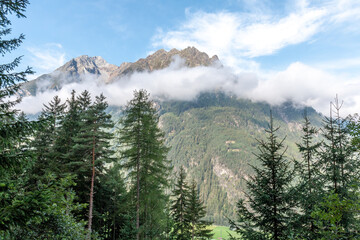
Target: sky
<point x="305" y="51"/>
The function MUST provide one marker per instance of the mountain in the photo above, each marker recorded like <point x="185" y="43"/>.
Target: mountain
<point x="76" y="68"/>
<point x="213" y="136"/>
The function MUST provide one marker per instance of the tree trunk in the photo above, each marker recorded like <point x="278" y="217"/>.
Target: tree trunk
<point x="91" y="190"/>
<point x="138" y="201"/>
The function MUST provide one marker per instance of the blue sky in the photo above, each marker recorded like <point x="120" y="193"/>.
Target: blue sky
<point x="291" y="46"/>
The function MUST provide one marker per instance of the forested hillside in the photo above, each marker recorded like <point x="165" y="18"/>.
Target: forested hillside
<point x="214" y="138"/>
<point x="156" y="168"/>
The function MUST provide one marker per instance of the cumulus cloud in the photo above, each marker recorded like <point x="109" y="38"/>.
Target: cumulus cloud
<point x="237" y="37"/>
<point x="299" y="83"/>
<point x="175" y="82"/>
<point x="309" y="86"/>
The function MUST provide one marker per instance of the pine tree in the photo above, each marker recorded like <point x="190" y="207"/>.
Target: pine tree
<point x="144" y="155"/>
<point x="308" y="187"/>
<point x="111" y="206"/>
<point x="339" y="163"/>
<point x="91" y="147"/>
<point x="195" y="212"/>
<point x="179" y="206"/>
<point x="15" y="156"/>
<point x="12" y="131"/>
<point x="45" y="139"/>
<point x="267" y="211"/>
<point x="70" y="127"/>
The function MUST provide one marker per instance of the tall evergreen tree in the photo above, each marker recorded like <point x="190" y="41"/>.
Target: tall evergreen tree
<point x="339" y="163"/>
<point x="15" y="156"/>
<point x="112" y="218"/>
<point x="12" y="130"/>
<point x="25" y="212"/>
<point x="179" y="206"/>
<point x="309" y="186"/>
<point x="92" y="146"/>
<point x="45" y="138"/>
<point x="266" y="212"/>
<point x="195" y="212"/>
<point x="144" y="155"/>
<point x="70" y="127"/>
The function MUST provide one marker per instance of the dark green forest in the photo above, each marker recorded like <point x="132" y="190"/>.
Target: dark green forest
<point x="75" y="173"/>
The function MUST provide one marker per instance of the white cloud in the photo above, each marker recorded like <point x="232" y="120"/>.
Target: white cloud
<point x="346" y="10"/>
<point x="237" y="37"/>
<point x="298" y="82"/>
<point x="175" y="82"/>
<point x="241" y="36"/>
<point x="309" y="86"/>
<point x="46" y="58"/>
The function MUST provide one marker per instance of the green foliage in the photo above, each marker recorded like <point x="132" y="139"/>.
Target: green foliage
<point x="28" y="209"/>
<point x="339" y="162"/>
<point x="144" y="158"/>
<point x="76" y="143"/>
<point x="329" y="215"/>
<point x="15" y="129"/>
<point x="112" y="218"/>
<point x="308" y="189"/>
<point x="270" y="196"/>
<point x="92" y="137"/>
<point x="68" y="130"/>
<point x="188" y="211"/>
<point x="215" y="144"/>
<point x="45" y="138"/>
<point x="44" y="212"/>
<point x="12" y="130"/>
<point x="179" y="208"/>
<point x="195" y="212"/>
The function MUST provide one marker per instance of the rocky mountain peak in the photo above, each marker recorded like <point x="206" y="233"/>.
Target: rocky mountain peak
<point x="72" y="70"/>
<point x="85" y="64"/>
<point x="162" y="59"/>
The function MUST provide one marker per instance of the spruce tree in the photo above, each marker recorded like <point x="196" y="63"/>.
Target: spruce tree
<point x="309" y="186"/>
<point x="45" y="139"/>
<point x="91" y="147"/>
<point x="339" y="164"/>
<point x="111" y="206"/>
<point x="195" y="212"/>
<point x="267" y="210"/>
<point x="70" y="126"/>
<point x="12" y="131"/>
<point x="144" y="155"/>
<point x="179" y="207"/>
<point x="15" y="155"/>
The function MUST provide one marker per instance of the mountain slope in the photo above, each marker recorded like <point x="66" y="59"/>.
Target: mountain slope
<point x="213" y="136"/>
